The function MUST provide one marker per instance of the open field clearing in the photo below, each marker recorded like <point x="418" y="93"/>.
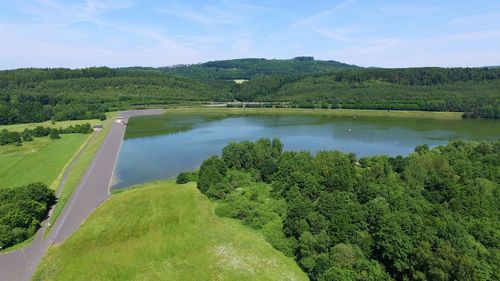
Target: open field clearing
<point x="41" y="160"/>
<point x="59" y="124"/>
<point x="170" y="232"/>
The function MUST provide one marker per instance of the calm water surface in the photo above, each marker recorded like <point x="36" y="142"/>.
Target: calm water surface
<point x="158" y="147"/>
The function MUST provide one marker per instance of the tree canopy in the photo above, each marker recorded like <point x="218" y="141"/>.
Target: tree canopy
<point x="432" y="215"/>
<point x="21" y="211"/>
<point x="35" y="95"/>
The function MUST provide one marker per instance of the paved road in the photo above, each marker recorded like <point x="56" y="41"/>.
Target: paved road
<point x="91" y="191"/>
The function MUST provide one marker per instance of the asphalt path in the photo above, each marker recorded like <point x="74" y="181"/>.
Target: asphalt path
<point x="93" y="189"/>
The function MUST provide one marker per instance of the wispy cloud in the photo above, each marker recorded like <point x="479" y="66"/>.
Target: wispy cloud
<point x="322" y="14"/>
<point x="60" y="44"/>
<point x="424" y="51"/>
<point x="214" y="16"/>
<point x="314" y="22"/>
<point x="158" y="50"/>
<point x="61" y="13"/>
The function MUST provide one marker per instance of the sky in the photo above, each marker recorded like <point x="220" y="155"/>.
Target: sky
<point x="116" y="33"/>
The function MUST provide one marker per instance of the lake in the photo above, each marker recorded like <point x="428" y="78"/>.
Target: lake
<point x="158" y="147"/>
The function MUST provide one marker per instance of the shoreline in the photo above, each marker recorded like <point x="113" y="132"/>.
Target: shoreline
<point x="326" y="112"/>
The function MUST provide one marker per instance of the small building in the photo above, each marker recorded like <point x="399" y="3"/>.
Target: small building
<point x="97" y="127"/>
<point x="119" y="120"/>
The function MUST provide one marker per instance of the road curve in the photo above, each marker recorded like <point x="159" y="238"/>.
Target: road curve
<point x="92" y="190"/>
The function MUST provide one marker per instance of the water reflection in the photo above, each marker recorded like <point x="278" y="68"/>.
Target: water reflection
<point x="162" y="146"/>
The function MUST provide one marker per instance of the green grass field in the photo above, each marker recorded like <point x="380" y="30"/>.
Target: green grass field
<point x="60" y="124"/>
<point x="41" y="160"/>
<point x="329" y="112"/>
<point x="164" y="231"/>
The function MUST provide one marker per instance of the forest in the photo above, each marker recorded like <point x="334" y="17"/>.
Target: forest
<point x="251" y="68"/>
<point x="35" y="95"/>
<point x="21" y="211"/>
<point x="474" y="91"/>
<point x="431" y="215"/>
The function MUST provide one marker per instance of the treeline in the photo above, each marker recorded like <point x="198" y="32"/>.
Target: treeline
<point x="27" y="135"/>
<point x="423" y="76"/>
<point x="474" y="91"/>
<point x="21" y="211"/>
<point x="36" y="95"/>
<point x="432" y="215"/>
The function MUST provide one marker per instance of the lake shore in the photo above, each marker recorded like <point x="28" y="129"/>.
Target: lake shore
<point x="319" y="111"/>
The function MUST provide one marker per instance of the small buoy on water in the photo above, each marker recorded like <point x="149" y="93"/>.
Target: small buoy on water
<point x="349" y="130"/>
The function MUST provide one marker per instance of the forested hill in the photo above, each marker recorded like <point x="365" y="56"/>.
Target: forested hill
<point x="34" y="95"/>
<point x="253" y="67"/>
<point x="475" y="91"/>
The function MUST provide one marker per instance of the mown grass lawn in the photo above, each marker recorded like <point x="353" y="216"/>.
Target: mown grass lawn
<point x="41" y="160"/>
<point x="164" y="231"/>
<point x="59" y="124"/>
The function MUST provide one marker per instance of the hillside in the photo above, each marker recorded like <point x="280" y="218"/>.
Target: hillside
<point x="170" y="232"/>
<point x="472" y="90"/>
<point x="37" y="95"/>
<point x="254" y="67"/>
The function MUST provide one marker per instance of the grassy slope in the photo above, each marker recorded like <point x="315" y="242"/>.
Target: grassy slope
<point x="164" y="231"/>
<point x="80" y="167"/>
<point x="330" y="112"/>
<point x="42" y="160"/>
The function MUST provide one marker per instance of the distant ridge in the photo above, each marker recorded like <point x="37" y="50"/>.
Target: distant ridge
<point x="248" y="68"/>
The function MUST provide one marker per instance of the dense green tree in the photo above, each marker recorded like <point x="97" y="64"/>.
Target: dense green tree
<point x="7" y="137"/>
<point x="27" y="135"/>
<point x="54" y="134"/>
<point x="182" y="178"/>
<point x="292" y="163"/>
<point x="212" y="171"/>
<point x="267" y="169"/>
<point x="431" y="215"/>
<point x="240" y="155"/>
<point x="21" y="211"/>
<point x="336" y="170"/>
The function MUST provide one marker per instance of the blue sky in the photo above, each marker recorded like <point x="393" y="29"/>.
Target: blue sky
<point x="79" y="33"/>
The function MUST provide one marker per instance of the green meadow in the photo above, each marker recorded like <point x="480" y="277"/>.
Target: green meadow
<point x="42" y="160"/>
<point x="58" y="124"/>
<point x="164" y="231"/>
